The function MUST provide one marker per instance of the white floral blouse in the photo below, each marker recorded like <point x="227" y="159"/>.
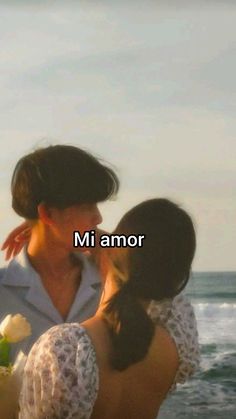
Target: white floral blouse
<point x="61" y="378"/>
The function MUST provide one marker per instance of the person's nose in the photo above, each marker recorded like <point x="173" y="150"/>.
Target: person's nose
<point x="97" y="216"/>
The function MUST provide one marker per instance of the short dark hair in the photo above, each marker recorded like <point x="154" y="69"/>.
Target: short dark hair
<point x="60" y="176"/>
<point x="158" y="270"/>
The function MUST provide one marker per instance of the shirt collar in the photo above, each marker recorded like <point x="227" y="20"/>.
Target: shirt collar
<point x="19" y="272"/>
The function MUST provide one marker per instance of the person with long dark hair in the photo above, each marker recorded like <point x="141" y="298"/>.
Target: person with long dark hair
<point x="124" y="360"/>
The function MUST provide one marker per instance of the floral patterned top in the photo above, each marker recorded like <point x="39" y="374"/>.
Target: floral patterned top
<point x="61" y="378"/>
<point x="178" y="318"/>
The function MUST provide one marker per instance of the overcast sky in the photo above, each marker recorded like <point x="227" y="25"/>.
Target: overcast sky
<point x="147" y="85"/>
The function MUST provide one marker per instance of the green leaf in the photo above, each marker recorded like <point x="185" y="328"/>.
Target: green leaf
<point x="4" y="353"/>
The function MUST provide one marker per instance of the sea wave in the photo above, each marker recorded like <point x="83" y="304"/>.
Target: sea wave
<point x="222" y="367"/>
<point x="216" y="323"/>
<point x="209" y="295"/>
<point x="214" y="306"/>
<point x="211" y="393"/>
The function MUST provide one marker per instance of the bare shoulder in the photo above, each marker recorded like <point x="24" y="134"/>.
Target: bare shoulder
<point x="163" y="354"/>
<point x="143" y="384"/>
<point x="164" y="340"/>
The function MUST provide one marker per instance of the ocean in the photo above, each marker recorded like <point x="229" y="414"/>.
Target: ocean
<point x="211" y="393"/>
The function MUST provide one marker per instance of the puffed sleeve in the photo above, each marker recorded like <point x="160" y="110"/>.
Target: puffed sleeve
<point x="61" y="376"/>
<point x="178" y="318"/>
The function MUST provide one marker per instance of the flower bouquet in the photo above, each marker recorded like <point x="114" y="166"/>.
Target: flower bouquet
<point x="13" y="329"/>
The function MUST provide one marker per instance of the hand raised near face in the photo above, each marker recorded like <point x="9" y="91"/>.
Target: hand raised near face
<point x="16" y="240"/>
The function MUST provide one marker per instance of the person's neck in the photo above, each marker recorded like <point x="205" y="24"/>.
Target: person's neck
<point x="50" y="258"/>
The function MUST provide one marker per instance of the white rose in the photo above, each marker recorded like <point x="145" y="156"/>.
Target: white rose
<point x="15" y="328"/>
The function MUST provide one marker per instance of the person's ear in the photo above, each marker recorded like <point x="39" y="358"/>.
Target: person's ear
<point x="44" y="213"/>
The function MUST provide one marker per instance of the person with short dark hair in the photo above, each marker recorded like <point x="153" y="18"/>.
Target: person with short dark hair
<point x="56" y="189"/>
<point x="124" y="360"/>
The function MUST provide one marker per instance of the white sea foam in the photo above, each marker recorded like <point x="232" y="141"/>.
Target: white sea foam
<point x="211" y="392"/>
<point x="216" y="322"/>
<point x="214" y="306"/>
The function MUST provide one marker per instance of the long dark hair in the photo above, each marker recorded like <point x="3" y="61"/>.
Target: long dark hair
<point x="158" y="270"/>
